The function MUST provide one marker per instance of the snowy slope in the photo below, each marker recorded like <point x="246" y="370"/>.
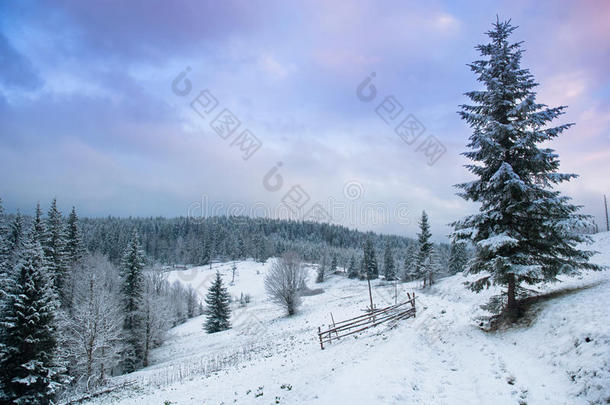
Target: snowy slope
<point x="441" y="357"/>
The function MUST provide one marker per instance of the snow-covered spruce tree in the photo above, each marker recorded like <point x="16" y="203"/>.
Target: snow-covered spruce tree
<point x="74" y="254"/>
<point x="523" y="232"/>
<point x="389" y="270"/>
<point x="352" y="269"/>
<point x="132" y="290"/>
<point x="423" y="260"/>
<point x="333" y="265"/>
<point x="261" y="250"/>
<point x="75" y="250"/>
<point x="241" y="247"/>
<point x="38" y="225"/>
<point x="362" y="269"/>
<point x="30" y="372"/>
<point x="321" y="272"/>
<point x="54" y="247"/>
<point x="16" y="238"/>
<point x="217" y="310"/>
<point x="5" y="267"/>
<point x="370" y="260"/>
<point x="408" y="271"/>
<point x="458" y="257"/>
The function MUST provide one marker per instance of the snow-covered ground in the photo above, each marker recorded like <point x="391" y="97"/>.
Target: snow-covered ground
<point x="440" y="357"/>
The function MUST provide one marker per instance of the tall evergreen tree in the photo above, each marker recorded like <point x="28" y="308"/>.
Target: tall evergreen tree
<point x="38" y="225"/>
<point x="75" y="249"/>
<point x="409" y="272"/>
<point x="333" y="265"/>
<point x="30" y="372"/>
<point x="54" y="246"/>
<point x="3" y="228"/>
<point x="352" y="269"/>
<point x="524" y="230"/>
<point x="132" y="290"/>
<point x="74" y="255"/>
<point x="241" y="247"/>
<point x="217" y="310"/>
<point x="458" y="257"/>
<point x="5" y="266"/>
<point x="423" y="261"/>
<point x="261" y="250"/>
<point x="370" y="260"/>
<point x="321" y="272"/>
<point x="389" y="270"/>
<point x="210" y="243"/>
<point x="16" y="238"/>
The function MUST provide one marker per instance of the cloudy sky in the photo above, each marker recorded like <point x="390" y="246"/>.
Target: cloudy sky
<point x="88" y="112"/>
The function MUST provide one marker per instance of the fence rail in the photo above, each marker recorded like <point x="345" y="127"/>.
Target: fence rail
<point x="371" y="319"/>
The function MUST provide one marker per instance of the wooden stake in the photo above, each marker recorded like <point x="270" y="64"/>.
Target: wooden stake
<point x="334" y="326"/>
<point x="320" y="335"/>
<point x="395" y="294"/>
<point x="368" y="279"/>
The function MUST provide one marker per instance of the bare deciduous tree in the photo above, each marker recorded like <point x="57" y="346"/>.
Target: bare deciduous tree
<point x="93" y="330"/>
<point x="285" y="281"/>
<point x="155" y="312"/>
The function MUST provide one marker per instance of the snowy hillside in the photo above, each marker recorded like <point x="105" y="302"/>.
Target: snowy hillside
<point x="440" y="357"/>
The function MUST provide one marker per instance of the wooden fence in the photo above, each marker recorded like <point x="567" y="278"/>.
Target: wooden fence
<point x="371" y="319"/>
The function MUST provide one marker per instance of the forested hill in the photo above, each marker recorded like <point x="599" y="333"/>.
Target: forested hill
<point x="201" y="240"/>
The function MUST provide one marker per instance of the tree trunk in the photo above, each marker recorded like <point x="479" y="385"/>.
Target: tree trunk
<point x="147" y="341"/>
<point x="511" y="304"/>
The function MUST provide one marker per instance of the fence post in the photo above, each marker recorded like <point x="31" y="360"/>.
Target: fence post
<point x="368" y="280"/>
<point x="334" y="326"/>
<point x="320" y="335"/>
<point x="413" y="304"/>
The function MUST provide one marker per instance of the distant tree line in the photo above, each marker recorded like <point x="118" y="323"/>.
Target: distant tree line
<point x="199" y="241"/>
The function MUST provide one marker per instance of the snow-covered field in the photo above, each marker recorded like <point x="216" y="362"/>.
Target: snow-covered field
<point x="440" y="357"/>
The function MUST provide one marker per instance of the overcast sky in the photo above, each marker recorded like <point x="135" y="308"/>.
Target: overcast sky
<point x="88" y="113"/>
